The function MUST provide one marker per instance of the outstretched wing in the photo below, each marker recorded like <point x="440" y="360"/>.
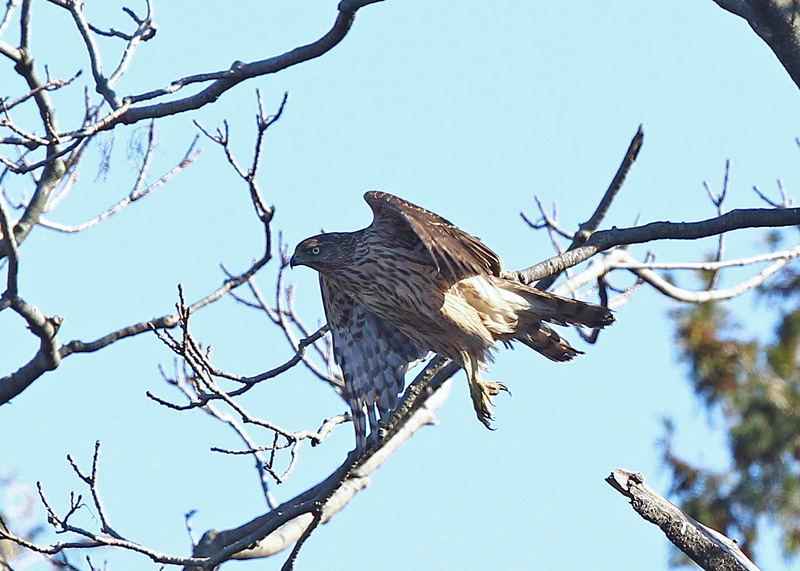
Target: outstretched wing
<point x="455" y="253"/>
<point x="373" y="354"/>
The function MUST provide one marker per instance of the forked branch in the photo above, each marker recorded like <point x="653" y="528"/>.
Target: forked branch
<point x="275" y="531"/>
<point x="278" y="529"/>
<point x="50" y="354"/>
<point x="587" y="229"/>
<point x="605" y="239"/>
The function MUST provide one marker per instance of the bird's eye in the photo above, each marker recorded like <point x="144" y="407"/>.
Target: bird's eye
<point x="315" y="250"/>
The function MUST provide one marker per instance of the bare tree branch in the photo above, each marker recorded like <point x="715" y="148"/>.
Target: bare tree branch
<point x="50" y="85"/>
<point x="587" y="228"/>
<point x="101" y="83"/>
<point x="181" y="382"/>
<point x="274" y="531"/>
<point x="285" y="318"/>
<point x="49" y="355"/>
<point x="606" y="239"/>
<point x="708" y="548"/>
<point x="711" y="294"/>
<point x="125" y="112"/>
<point x="706" y="266"/>
<point x="137" y="193"/>
<point x="775" y="22"/>
<point x="53" y="167"/>
<point x="277" y="530"/>
<point x="91" y="481"/>
<point x="11" y="5"/>
<point x="13" y="256"/>
<point x="49" y="155"/>
<point x="717" y="200"/>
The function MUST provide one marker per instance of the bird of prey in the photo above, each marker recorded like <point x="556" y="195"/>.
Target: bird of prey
<point x="412" y="283"/>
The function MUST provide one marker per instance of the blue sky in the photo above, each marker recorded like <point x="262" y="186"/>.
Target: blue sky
<point x="468" y="109"/>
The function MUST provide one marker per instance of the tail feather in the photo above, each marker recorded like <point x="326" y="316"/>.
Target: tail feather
<point x="547" y="342"/>
<point x="551" y="308"/>
<point x="508" y="311"/>
<point x="554" y="308"/>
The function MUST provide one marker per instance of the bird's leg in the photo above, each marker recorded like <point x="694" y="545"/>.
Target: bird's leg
<point x="482" y="392"/>
<point x="362" y="444"/>
<point x="374" y="436"/>
<point x="359" y="415"/>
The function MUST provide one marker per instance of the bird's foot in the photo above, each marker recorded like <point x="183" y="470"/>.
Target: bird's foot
<point x="482" y="392"/>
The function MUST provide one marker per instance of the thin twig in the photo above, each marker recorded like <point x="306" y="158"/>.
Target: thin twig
<point x="588" y="228"/>
<point x="136" y="193"/>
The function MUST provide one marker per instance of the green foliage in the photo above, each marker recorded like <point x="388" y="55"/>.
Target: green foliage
<point x="718" y="364"/>
<point x="756" y="387"/>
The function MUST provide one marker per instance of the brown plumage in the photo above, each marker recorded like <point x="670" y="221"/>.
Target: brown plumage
<point x="411" y="283"/>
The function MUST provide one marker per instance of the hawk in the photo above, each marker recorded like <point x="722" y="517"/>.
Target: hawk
<point x="412" y="283"/>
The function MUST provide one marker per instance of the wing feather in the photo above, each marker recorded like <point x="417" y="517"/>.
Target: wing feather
<point x="455" y="253"/>
<point x="373" y="354"/>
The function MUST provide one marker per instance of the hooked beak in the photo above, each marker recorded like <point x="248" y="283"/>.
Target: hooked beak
<point x="293" y="261"/>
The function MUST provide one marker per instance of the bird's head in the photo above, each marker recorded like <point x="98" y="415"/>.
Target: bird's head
<point x="323" y="252"/>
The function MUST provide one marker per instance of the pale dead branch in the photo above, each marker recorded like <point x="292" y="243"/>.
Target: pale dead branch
<point x="707" y="547"/>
